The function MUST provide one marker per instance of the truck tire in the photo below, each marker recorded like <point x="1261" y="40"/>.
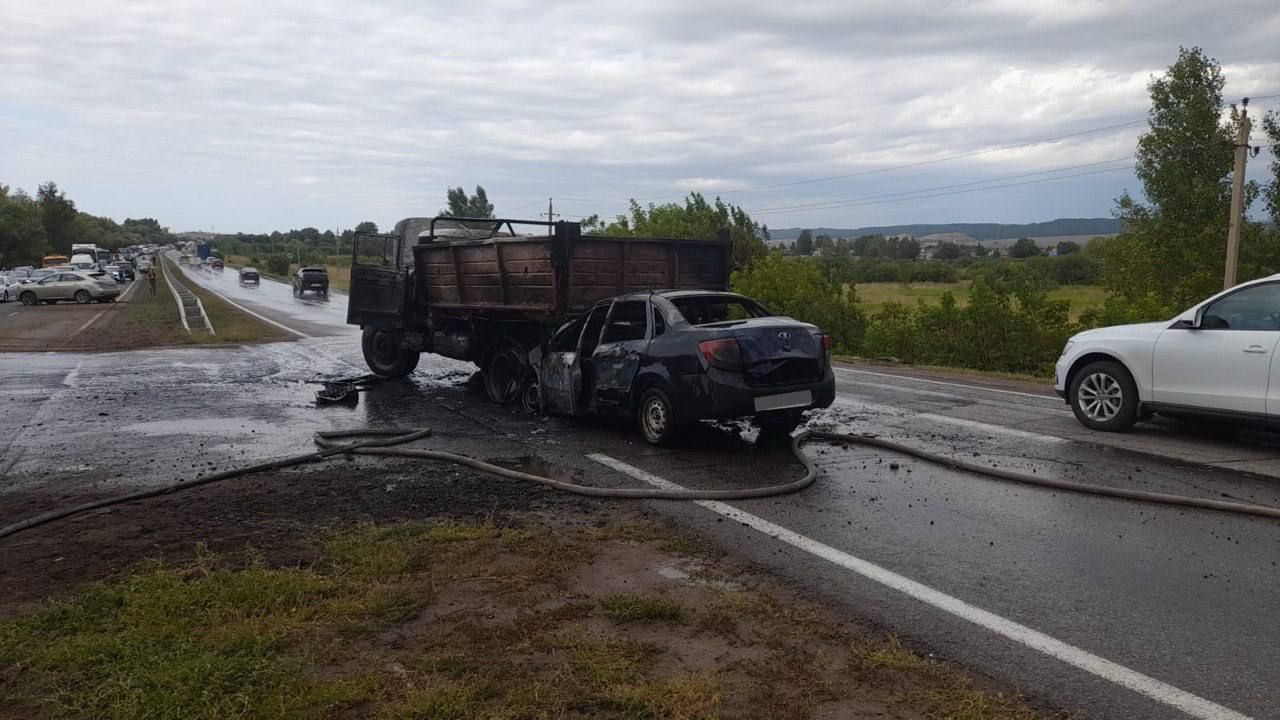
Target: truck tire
<point x="384" y="355"/>
<point x="505" y="372"/>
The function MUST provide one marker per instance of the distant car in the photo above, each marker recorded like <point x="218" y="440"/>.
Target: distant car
<point x="78" y="286"/>
<point x="9" y="285"/>
<point x="115" y="271"/>
<point x="670" y="358"/>
<point x="217" y="264"/>
<point x="84" y="261"/>
<point x="311" y="279"/>
<point x="249" y="276"/>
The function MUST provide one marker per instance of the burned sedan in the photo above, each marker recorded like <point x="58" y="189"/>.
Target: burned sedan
<point x="674" y="357"/>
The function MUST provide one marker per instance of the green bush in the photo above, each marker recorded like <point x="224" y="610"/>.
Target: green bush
<point x="795" y="286"/>
<point x="1009" y="325"/>
<point x="278" y="264"/>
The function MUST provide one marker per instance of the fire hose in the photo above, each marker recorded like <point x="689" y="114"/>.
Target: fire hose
<point x="388" y="442"/>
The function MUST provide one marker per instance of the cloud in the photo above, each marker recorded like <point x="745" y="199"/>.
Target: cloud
<point x="348" y="111"/>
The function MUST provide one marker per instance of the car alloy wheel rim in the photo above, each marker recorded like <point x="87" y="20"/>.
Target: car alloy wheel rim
<point x="655" y="417"/>
<point x="1100" y="397"/>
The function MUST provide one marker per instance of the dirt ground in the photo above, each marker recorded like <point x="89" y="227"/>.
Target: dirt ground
<point x="561" y="622"/>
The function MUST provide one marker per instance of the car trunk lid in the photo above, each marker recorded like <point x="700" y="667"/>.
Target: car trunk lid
<point x="776" y="350"/>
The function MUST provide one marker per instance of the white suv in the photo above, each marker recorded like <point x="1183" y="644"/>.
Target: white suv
<point x="1213" y="360"/>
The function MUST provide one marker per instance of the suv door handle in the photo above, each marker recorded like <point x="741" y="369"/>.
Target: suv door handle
<point x="1255" y="349"/>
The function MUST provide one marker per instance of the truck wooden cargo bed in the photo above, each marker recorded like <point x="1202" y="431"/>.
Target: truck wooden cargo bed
<point x="552" y="275"/>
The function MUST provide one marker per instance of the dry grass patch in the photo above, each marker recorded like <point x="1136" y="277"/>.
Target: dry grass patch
<point x="464" y="620"/>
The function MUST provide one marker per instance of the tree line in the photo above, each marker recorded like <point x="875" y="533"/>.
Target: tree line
<point x="49" y="223"/>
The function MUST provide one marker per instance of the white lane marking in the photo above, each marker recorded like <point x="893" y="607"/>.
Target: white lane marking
<point x="1193" y="705"/>
<point x="244" y="309"/>
<point x="87" y="324"/>
<point x="949" y="384"/>
<point x="15" y="312"/>
<point x="958" y="422"/>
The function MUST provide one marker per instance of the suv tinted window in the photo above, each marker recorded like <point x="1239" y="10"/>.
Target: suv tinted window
<point x="626" y="322"/>
<point x="1255" y="308"/>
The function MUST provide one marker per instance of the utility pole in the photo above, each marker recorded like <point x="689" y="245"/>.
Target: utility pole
<point x="551" y="215"/>
<point x="1237" y="197"/>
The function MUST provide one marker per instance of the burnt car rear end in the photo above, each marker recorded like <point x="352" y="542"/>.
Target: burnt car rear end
<point x="748" y="362"/>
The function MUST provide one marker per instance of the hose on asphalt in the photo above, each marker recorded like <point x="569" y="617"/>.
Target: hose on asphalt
<point x="387" y="442"/>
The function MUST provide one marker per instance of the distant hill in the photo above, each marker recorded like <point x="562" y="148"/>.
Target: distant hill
<point x="1088" y="227"/>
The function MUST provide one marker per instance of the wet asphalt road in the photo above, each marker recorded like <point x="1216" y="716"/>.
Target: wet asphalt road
<point x="1187" y="598"/>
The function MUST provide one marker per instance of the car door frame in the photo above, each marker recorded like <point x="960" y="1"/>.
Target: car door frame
<point x="560" y="372"/>
<point x="51" y="288"/>
<point x="614" y="364"/>
<point x="1175" y="395"/>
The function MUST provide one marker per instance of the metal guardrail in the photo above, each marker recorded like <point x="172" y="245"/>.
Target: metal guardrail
<point x="189" y="304"/>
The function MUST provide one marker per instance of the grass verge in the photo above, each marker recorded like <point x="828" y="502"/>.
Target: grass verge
<point x="460" y="620"/>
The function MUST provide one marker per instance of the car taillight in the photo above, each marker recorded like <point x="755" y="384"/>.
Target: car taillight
<point x="826" y="348"/>
<point x="724" y="354"/>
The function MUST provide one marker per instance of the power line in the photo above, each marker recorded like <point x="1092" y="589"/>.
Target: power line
<point x="998" y="178"/>
<point x="892" y="168"/>
<point x="955" y="192"/>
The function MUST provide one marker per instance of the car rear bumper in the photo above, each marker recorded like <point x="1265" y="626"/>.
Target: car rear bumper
<point x="721" y="395"/>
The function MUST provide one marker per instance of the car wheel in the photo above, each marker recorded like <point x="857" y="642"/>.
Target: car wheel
<point x="1104" y="396"/>
<point x="83" y="297"/>
<point x="28" y="298"/>
<point x="656" y="416"/>
<point x="383" y="354"/>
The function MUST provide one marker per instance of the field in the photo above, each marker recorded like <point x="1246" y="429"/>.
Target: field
<point x="873" y="295"/>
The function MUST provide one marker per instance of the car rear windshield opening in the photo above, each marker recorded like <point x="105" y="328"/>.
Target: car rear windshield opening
<point x="705" y="310"/>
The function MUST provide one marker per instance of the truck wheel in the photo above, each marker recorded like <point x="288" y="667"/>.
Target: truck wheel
<point x="384" y="355"/>
<point x="505" y="373"/>
<point x="656" y="416"/>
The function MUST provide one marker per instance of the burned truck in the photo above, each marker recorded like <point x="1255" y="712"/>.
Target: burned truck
<point x="578" y="323"/>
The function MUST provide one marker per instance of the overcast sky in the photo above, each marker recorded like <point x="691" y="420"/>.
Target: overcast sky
<point x="267" y="115"/>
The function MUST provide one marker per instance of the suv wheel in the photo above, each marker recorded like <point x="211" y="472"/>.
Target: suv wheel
<point x="384" y="355"/>
<point x="83" y="297"/>
<point x="656" y="416"/>
<point x="1104" y="396"/>
<point x="28" y="298"/>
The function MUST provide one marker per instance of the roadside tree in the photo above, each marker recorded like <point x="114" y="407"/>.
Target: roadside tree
<point x="22" y="236"/>
<point x="804" y="243"/>
<point x="1172" y="248"/>
<point x="463" y="205"/>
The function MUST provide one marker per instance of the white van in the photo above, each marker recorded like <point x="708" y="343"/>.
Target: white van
<point x="84" y="261"/>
